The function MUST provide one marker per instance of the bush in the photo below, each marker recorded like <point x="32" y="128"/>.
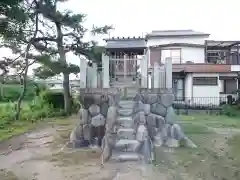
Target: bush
<point x="11" y="92"/>
<point x="56" y="99"/>
<point x="231" y="110"/>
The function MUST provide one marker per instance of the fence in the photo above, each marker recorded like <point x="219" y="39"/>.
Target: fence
<point x="201" y="103"/>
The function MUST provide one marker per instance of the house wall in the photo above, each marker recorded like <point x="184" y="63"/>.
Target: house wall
<point x="203" y="95"/>
<point x="194" y="54"/>
<point x="154" y="41"/>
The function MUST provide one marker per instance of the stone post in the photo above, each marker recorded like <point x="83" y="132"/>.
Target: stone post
<point x="144" y="71"/>
<point x="125" y="58"/>
<point x="89" y="77"/>
<point x="83" y="72"/>
<point x="168" y="70"/>
<point x="156" y="76"/>
<point x="105" y="66"/>
<point x="94" y="76"/>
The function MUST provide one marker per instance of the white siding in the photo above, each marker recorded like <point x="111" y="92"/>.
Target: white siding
<point x="193" y="54"/>
<point x="154" y="41"/>
<point x="206" y="95"/>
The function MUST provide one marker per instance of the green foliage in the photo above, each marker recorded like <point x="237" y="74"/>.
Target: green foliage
<point x="56" y="99"/>
<point x="33" y="111"/>
<point x="231" y="110"/>
<point x="11" y="92"/>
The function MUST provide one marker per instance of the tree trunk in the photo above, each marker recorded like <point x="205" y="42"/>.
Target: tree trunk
<point x="66" y="92"/>
<point x="19" y="103"/>
<point x="62" y="54"/>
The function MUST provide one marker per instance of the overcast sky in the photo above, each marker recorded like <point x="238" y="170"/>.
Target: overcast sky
<point x="220" y="18"/>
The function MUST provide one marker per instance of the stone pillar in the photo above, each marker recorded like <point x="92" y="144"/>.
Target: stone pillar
<point x="144" y="71"/>
<point x="94" y="76"/>
<point x="125" y="58"/>
<point x="156" y="75"/>
<point x="105" y="66"/>
<point x="83" y="72"/>
<point x="168" y="70"/>
<point x="89" y="77"/>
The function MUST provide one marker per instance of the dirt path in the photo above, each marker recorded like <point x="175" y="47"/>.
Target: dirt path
<point x="40" y="155"/>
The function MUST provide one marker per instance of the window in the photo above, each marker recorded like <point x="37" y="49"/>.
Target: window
<point x="205" y="81"/>
<point x="178" y="88"/>
<point x="175" y="54"/>
<point x="228" y="86"/>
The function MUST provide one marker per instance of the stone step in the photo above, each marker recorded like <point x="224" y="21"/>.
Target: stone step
<point x="124" y="112"/>
<point x="128" y="104"/>
<point x="126" y="156"/>
<point x="125" y="121"/>
<point x="126" y="133"/>
<point x="127" y="145"/>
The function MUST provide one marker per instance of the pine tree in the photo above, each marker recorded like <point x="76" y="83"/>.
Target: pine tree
<point x="67" y="36"/>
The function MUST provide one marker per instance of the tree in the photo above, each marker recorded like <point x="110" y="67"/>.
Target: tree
<point x="58" y="32"/>
<point x="67" y="35"/>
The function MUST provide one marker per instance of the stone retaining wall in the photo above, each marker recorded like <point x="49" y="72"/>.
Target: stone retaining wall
<point x="96" y="107"/>
<point x="160" y="119"/>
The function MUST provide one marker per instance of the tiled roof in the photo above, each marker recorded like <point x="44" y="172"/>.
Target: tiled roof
<point x="202" y="68"/>
<point x="116" y="43"/>
<point x="188" y="32"/>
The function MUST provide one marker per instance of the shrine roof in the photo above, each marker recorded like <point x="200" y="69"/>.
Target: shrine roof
<point x="126" y="43"/>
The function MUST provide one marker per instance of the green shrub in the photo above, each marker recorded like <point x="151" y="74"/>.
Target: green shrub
<point x="11" y="92"/>
<point x="56" y="99"/>
<point x="231" y="110"/>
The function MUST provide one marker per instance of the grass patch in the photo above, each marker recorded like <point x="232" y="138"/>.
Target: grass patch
<point x="189" y="128"/>
<point x="19" y="127"/>
<point x="212" y="120"/>
<point x="234" y="143"/>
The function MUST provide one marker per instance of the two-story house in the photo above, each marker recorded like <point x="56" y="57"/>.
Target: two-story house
<point x="204" y="71"/>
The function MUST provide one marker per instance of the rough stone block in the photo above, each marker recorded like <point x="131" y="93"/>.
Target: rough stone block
<point x="111" y="117"/>
<point x="141" y="133"/>
<point x="177" y="132"/>
<point x="98" y="120"/>
<point x="138" y="97"/>
<point x="172" y="143"/>
<point x="127" y="157"/>
<point x="146" y="108"/>
<point x="171" y="116"/>
<point x="167" y="99"/>
<point x="83" y="116"/>
<point x="138" y="106"/>
<point x="127" y="145"/>
<point x="186" y="142"/>
<point x="126" y="133"/>
<point x="158" y="109"/>
<point x="152" y="98"/>
<point x="158" y="140"/>
<point x="124" y="112"/>
<point x="87" y="132"/>
<point x="139" y="118"/>
<point x="104" y="109"/>
<point x="94" y="110"/>
<point x="165" y="131"/>
<point x="126" y="122"/>
<point x="160" y="121"/>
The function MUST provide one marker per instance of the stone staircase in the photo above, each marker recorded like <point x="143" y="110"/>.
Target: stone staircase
<point x="127" y="147"/>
